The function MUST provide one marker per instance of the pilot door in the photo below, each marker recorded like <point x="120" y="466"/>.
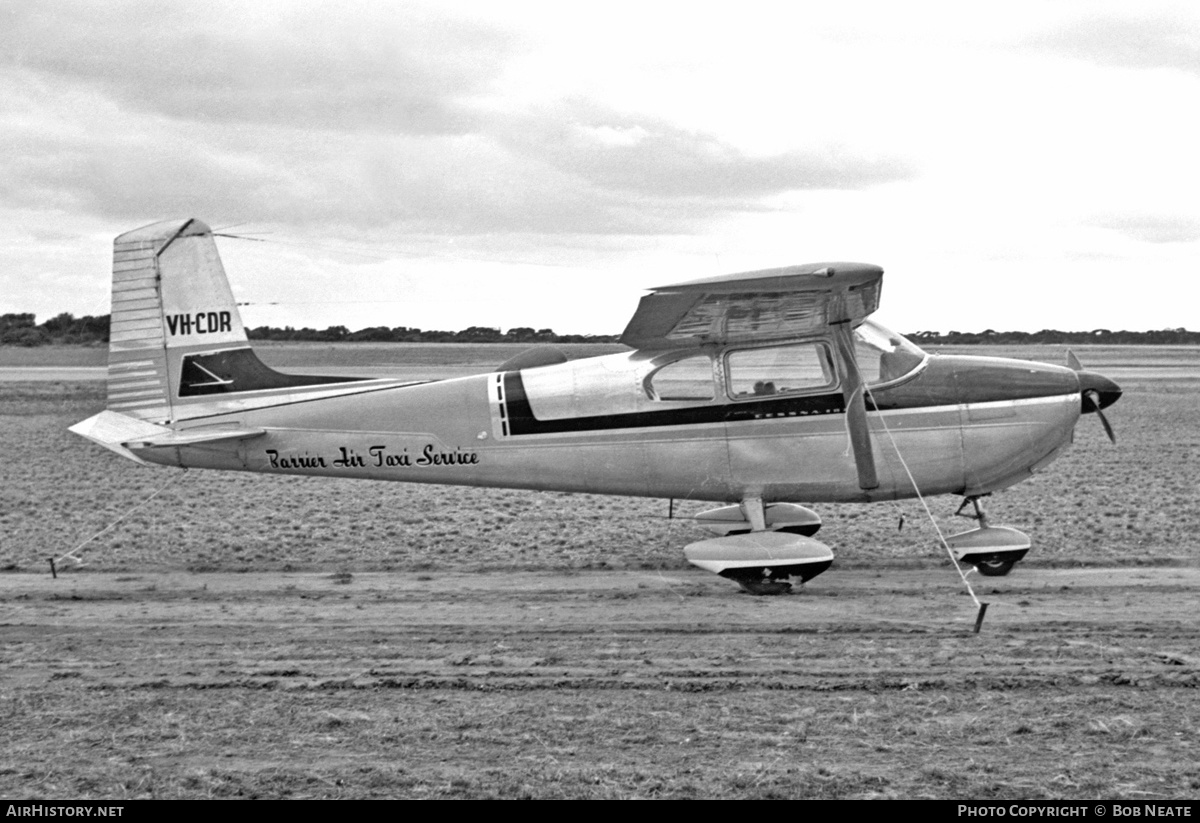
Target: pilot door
<point x="786" y="425"/>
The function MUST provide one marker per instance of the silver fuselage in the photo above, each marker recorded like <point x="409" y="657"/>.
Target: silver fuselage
<point x="953" y="424"/>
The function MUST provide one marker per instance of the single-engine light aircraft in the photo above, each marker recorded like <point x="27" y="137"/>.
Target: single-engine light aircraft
<point x="761" y="391"/>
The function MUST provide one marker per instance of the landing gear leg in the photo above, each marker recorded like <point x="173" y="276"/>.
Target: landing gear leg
<point x="977" y="504"/>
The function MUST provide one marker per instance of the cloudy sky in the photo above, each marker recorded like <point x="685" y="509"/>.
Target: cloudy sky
<point x="448" y="164"/>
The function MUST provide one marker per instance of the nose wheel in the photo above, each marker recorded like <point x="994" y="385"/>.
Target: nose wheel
<point x="992" y="550"/>
<point x="994" y="567"/>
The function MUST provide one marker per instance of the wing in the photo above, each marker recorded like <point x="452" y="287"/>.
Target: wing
<point x="773" y="304"/>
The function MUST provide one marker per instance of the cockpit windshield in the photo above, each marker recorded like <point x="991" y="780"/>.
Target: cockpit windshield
<point x="883" y="355"/>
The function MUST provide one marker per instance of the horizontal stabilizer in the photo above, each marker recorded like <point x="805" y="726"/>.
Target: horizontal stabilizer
<point x="112" y="430"/>
<point x="194" y="437"/>
<point x="120" y="433"/>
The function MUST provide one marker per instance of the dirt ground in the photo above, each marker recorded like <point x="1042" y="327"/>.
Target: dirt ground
<point x="868" y="684"/>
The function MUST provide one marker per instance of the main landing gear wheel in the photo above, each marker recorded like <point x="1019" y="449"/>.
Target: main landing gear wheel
<point x="994" y="568"/>
<point x="759" y="581"/>
<point x="761" y="562"/>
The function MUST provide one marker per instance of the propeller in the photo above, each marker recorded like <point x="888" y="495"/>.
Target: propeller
<point x="1096" y="391"/>
<point x="1091" y="402"/>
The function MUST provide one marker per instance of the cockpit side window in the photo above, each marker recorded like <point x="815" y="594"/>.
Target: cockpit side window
<point x="688" y="379"/>
<point x="790" y="369"/>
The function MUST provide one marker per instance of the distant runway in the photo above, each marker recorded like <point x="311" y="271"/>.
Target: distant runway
<point x="20" y="374"/>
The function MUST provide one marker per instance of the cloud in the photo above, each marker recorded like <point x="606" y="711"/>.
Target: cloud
<point x="357" y="117"/>
<point x="1151" y="228"/>
<point x="84" y="156"/>
<point x="76" y="150"/>
<point x="647" y="155"/>
<point x="1167" y="41"/>
<point x="347" y="67"/>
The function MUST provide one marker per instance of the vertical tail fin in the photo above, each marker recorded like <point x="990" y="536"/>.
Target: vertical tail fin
<point x="169" y="293"/>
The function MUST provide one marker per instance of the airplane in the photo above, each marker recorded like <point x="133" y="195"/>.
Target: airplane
<point x="761" y="391"/>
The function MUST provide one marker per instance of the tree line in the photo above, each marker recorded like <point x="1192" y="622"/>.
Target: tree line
<point x="404" y="334"/>
<point x="65" y="329"/>
<point x="23" y="330"/>
<point x="1159" y="337"/>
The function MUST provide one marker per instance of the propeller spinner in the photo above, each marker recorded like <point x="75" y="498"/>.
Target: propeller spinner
<point x="1097" y="392"/>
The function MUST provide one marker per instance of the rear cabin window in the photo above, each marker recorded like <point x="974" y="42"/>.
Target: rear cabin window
<point x="802" y="367"/>
<point x="688" y="379"/>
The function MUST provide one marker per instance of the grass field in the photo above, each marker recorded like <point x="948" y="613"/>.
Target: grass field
<point x="598" y="684"/>
<point x="260" y="636"/>
<point x="1136" y="503"/>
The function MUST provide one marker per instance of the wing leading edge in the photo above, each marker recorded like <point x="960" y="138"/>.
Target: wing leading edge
<point x="772" y="304"/>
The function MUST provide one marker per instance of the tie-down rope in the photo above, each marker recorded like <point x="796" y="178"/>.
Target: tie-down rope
<point x="78" y="561"/>
<point x="921" y="497"/>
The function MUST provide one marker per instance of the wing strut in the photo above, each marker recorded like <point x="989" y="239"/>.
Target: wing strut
<point x="856" y="407"/>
